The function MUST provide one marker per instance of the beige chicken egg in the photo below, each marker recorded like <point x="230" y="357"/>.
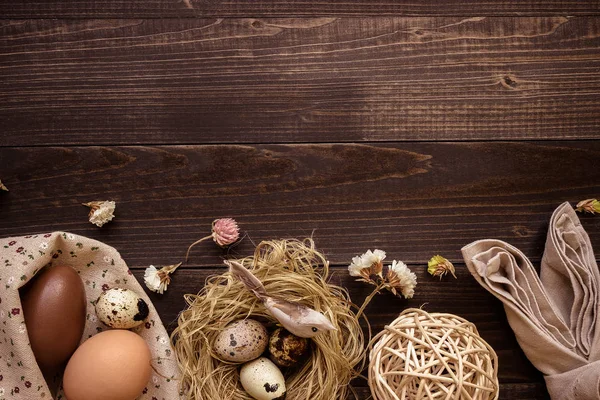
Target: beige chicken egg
<point x="113" y="365"/>
<point x="241" y="341"/>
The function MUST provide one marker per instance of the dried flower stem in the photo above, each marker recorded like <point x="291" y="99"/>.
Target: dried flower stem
<point x="187" y="255"/>
<point x="370" y="297"/>
<point x="171" y="268"/>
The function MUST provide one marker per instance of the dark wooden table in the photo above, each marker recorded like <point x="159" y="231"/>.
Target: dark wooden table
<point x="413" y="127"/>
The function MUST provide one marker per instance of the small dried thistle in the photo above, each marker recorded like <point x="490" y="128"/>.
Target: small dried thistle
<point x="157" y="280"/>
<point x="440" y="266"/>
<point x="2" y="187"/>
<point x="225" y="232"/>
<point x="101" y="212"/>
<point x="591" y="206"/>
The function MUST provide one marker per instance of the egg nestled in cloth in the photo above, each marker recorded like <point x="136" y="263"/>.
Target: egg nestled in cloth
<point x="241" y="341"/>
<point x="121" y="308"/>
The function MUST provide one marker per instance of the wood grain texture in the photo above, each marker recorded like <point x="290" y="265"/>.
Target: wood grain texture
<point x="254" y="80"/>
<point x="412" y="199"/>
<point x="287" y="8"/>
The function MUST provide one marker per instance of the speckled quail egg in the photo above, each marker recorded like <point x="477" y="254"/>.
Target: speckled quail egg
<point x="121" y="308"/>
<point x="262" y="380"/>
<point x="241" y="341"/>
<point x="287" y="349"/>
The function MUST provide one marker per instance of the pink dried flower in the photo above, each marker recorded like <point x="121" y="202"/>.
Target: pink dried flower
<point x="225" y="232"/>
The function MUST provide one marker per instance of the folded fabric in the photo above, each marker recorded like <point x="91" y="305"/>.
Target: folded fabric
<point x="554" y="315"/>
<point x="100" y="267"/>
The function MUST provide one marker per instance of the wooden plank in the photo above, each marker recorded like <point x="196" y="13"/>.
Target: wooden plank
<point x="412" y="199"/>
<point x="287" y="8"/>
<point x="463" y="297"/>
<point x="250" y="80"/>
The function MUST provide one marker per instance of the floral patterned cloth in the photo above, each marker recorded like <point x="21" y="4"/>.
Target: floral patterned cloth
<point x="100" y="267"/>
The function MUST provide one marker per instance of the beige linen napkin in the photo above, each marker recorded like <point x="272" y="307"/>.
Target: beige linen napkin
<point x="100" y="267"/>
<point x="554" y="314"/>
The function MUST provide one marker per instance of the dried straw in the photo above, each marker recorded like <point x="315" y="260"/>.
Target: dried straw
<point x="292" y="270"/>
<point x="432" y="356"/>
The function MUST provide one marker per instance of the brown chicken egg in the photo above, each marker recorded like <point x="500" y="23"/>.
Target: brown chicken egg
<point x="54" y="310"/>
<point x="112" y="365"/>
<point x="287" y="349"/>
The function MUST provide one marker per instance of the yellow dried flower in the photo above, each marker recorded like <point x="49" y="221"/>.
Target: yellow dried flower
<point x="590" y="205"/>
<point x="440" y="266"/>
<point x="3" y="187"/>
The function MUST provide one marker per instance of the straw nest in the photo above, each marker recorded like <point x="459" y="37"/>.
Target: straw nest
<point x="432" y="356"/>
<point x="289" y="269"/>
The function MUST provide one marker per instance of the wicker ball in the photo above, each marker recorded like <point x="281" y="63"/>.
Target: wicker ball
<point x="432" y="356"/>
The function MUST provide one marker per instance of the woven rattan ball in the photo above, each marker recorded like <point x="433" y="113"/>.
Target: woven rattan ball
<point x="432" y="356"/>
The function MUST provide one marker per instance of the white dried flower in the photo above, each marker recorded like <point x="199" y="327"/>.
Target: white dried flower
<point x="101" y="212"/>
<point x="157" y="280"/>
<point x="367" y="264"/>
<point x="2" y="187"/>
<point x="373" y="257"/>
<point x="401" y="278"/>
<point x="356" y="267"/>
<point x="152" y="280"/>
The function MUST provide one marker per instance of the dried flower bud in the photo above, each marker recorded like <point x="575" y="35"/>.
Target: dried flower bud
<point x="2" y="187"/>
<point x="440" y="266"/>
<point x="158" y="280"/>
<point x="101" y="212"/>
<point x="590" y="205"/>
<point x="225" y="231"/>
